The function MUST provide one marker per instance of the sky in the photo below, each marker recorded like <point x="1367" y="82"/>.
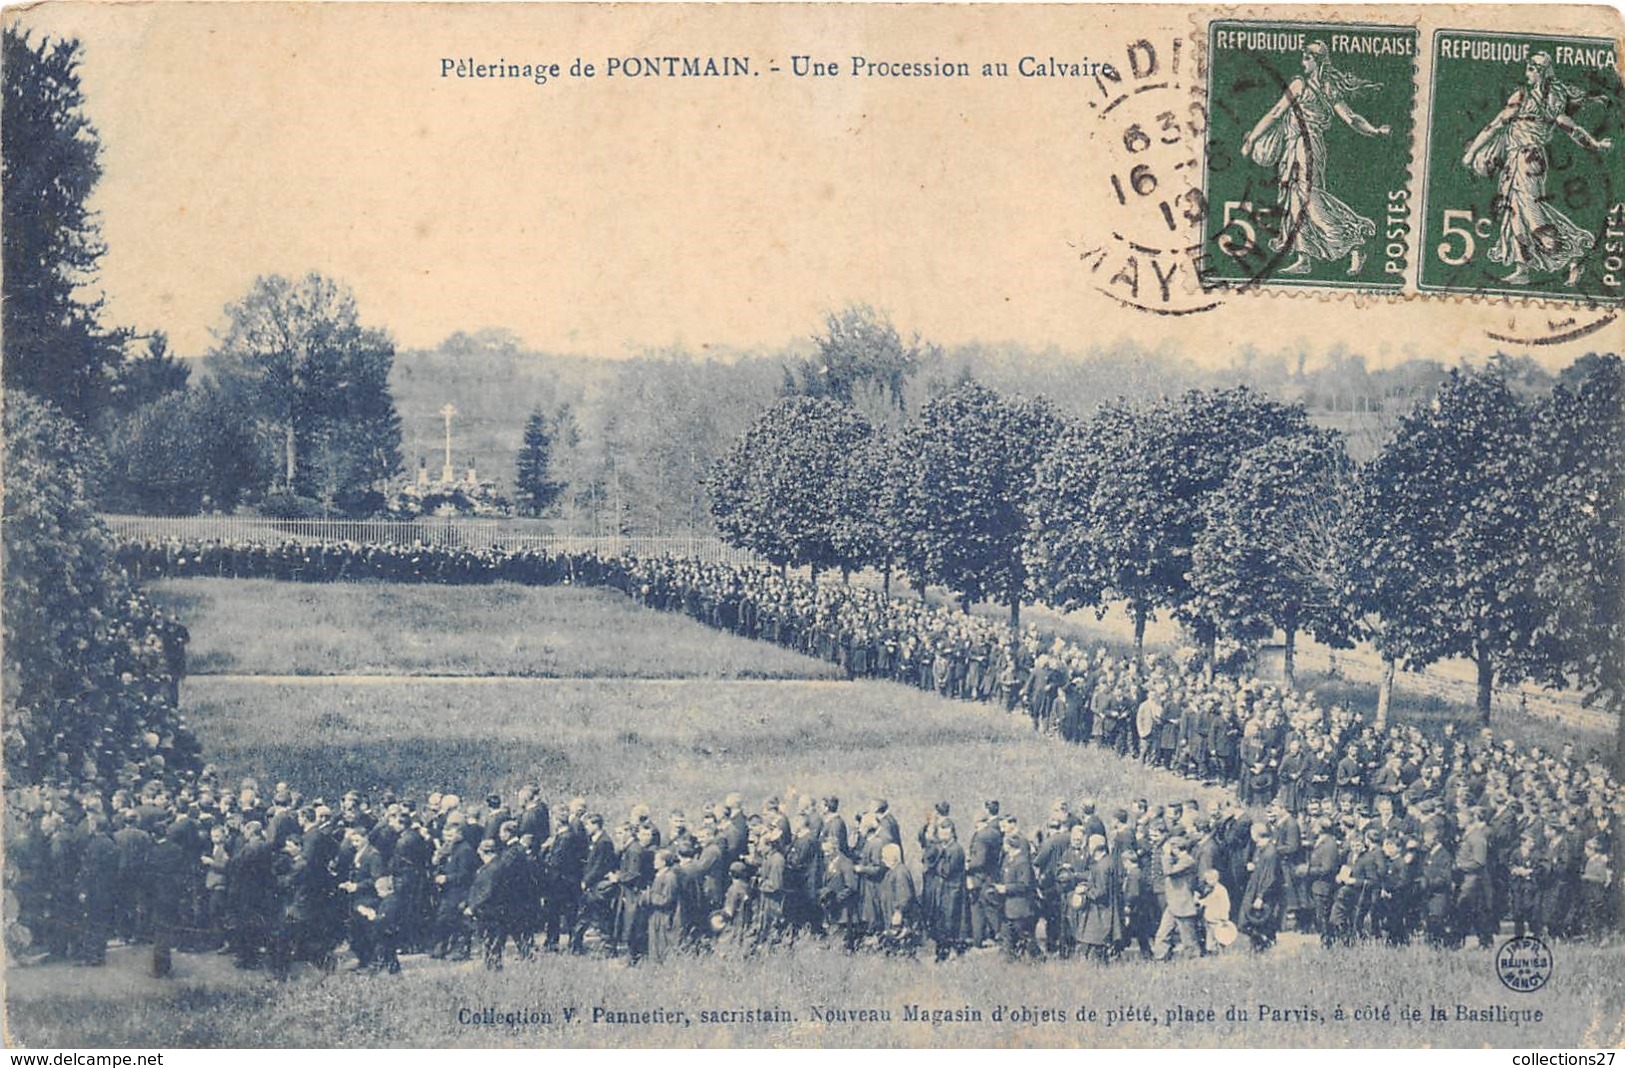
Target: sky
<point x="610" y="216"/>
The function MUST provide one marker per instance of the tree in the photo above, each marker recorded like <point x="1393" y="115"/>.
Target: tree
<point x="783" y="489"/>
<point x="1272" y="551"/>
<point x="861" y="361"/>
<point x="148" y="377"/>
<point x="54" y="345"/>
<point x="865" y="532"/>
<point x="1579" y="436"/>
<point x="86" y="691"/>
<point x="318" y="381"/>
<point x="1448" y="514"/>
<point x="536" y="489"/>
<point x="654" y="431"/>
<point x="1095" y="534"/>
<point x="1120" y="502"/>
<point x="185" y="452"/>
<point x="968" y="465"/>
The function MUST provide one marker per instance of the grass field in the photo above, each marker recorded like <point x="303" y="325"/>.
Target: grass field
<point x="260" y="626"/>
<point x="677" y="743"/>
<point x="626" y="734"/>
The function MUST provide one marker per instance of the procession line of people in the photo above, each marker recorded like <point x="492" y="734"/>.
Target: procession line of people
<point x="1335" y="826"/>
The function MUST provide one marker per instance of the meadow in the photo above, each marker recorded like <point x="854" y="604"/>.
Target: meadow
<point x="265" y="627"/>
<point x="616" y="726"/>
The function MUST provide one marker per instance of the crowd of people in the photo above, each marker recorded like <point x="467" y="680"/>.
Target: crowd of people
<point x="278" y="879"/>
<point x="1335" y="825"/>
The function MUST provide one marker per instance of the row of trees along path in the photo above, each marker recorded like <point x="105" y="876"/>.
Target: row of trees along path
<point x="1488" y="528"/>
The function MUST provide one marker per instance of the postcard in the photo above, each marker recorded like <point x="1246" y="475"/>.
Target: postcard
<point x="813" y="525"/>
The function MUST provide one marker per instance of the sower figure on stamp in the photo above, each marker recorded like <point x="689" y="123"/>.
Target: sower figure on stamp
<point x="1291" y="137"/>
<point x="1533" y="234"/>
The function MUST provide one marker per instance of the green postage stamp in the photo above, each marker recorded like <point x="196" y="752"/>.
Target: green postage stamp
<point x="1525" y="191"/>
<point x="1308" y="166"/>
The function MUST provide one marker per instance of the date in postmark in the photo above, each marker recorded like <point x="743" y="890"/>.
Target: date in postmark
<point x="1150" y="122"/>
<point x="1307" y="179"/>
<point x="1525" y="187"/>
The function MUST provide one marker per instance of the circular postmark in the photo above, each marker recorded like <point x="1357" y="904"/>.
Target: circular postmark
<point x="1152" y="122"/>
<point x="1551" y="326"/>
<point x="1523" y="964"/>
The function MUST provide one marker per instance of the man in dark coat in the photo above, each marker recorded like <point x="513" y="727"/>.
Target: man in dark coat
<point x="802" y="868"/>
<point x="410" y="868"/>
<point x="534" y="818"/>
<point x="871" y="868"/>
<point x="736" y="828"/>
<point x="564" y="858"/>
<point x="710" y="873"/>
<point x="488" y="899"/>
<point x="169" y="867"/>
<point x="598" y="892"/>
<point x="1563" y="858"/>
<point x="838" y="895"/>
<point x="64" y="924"/>
<point x="1438" y="885"/>
<point x="1261" y="900"/>
<point x="1017" y="888"/>
<point x="133" y="889"/>
<point x="1325" y="859"/>
<point x="1046" y="866"/>
<point x="1397" y="903"/>
<point x="1474" y="898"/>
<point x="361" y="875"/>
<point x="945" y="897"/>
<point x="1358" y="889"/>
<point x="899" y="903"/>
<point x="1180" y="908"/>
<point x="251" y="896"/>
<point x="663" y="907"/>
<point x="833" y="825"/>
<point x="983" y="860"/>
<point x="1099" y="915"/>
<point x="388" y="927"/>
<point x="97" y="887"/>
<point x="632" y="877"/>
<point x="458" y="863"/>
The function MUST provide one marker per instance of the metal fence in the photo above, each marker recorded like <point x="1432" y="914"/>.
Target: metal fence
<point x="440" y="531"/>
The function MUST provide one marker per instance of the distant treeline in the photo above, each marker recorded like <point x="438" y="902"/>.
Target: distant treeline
<point x="634" y="438"/>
